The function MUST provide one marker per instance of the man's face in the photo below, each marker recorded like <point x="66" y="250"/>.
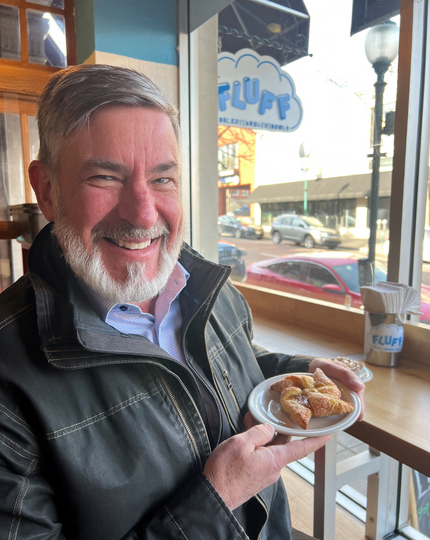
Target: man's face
<point x="119" y="178"/>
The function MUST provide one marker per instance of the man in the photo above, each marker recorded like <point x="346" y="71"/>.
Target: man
<point x="126" y="357"/>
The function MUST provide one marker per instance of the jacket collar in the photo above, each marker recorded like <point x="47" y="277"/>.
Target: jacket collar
<point x="71" y="332"/>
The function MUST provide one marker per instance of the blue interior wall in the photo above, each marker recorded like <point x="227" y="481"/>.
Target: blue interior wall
<point x="140" y="29"/>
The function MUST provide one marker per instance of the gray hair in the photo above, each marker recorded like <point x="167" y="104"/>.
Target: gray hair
<point x="73" y="94"/>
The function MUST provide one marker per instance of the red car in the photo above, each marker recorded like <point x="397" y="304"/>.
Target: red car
<point x="323" y="276"/>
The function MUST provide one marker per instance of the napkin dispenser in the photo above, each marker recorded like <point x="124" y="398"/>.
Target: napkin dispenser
<point x="383" y="338"/>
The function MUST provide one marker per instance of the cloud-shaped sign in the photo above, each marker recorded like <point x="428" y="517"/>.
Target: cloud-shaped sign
<point x="386" y="338"/>
<point x="254" y="92"/>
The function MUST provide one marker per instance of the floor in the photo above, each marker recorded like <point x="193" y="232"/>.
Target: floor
<point x="300" y="496"/>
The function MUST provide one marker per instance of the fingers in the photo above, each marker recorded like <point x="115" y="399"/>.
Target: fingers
<point x="298" y="449"/>
<point x="280" y="440"/>
<point x="257" y="435"/>
<point x="277" y="438"/>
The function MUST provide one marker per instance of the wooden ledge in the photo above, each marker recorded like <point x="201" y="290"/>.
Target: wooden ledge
<point x="329" y="319"/>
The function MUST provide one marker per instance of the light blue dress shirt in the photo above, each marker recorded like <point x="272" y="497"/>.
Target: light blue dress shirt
<point x="163" y="328"/>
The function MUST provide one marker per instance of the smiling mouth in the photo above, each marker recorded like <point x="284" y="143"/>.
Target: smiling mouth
<point x="131" y="245"/>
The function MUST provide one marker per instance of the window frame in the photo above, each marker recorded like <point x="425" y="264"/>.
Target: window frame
<point x="27" y="78"/>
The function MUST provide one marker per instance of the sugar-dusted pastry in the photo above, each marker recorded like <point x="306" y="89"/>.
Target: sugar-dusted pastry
<point x="299" y="381"/>
<point x="296" y="405"/>
<point x="304" y="396"/>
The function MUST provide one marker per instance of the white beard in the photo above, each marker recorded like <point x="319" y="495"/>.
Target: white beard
<point x="92" y="271"/>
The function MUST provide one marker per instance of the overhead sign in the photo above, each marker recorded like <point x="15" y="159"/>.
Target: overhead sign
<point x="255" y="93"/>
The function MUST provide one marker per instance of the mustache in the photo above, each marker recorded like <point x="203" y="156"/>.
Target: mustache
<point x="127" y="232"/>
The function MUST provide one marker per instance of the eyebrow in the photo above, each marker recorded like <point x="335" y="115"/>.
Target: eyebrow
<point x="163" y="167"/>
<point x="114" y="166"/>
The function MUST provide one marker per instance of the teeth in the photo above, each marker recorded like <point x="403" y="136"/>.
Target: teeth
<point x="131" y="245"/>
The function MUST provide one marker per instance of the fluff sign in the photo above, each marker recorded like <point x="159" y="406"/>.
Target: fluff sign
<point x="386" y="338"/>
<point x="254" y="92"/>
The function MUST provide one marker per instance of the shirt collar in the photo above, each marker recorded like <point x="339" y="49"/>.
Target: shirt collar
<point x="176" y="282"/>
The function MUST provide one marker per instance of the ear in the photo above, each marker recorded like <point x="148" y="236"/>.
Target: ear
<point x="41" y="184"/>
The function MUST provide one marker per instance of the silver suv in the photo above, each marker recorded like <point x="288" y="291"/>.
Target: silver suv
<point x="304" y="230"/>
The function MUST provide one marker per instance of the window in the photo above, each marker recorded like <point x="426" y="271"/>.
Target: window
<point x="297" y="222"/>
<point x="36" y="39"/>
<point x="319" y="276"/>
<point x="48" y="39"/>
<point x="228" y="157"/>
<point x="290" y="270"/>
<point x="337" y="129"/>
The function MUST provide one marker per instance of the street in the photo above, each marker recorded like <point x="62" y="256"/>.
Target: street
<point x="258" y="250"/>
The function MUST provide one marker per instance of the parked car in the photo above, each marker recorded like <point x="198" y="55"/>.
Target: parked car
<point x="234" y="227"/>
<point x="230" y="255"/>
<point x="305" y="230"/>
<point x="326" y="276"/>
<point x="242" y="211"/>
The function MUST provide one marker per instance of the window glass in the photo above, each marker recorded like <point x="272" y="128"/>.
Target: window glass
<point x="425" y="262"/>
<point x="49" y="3"/>
<point x="33" y="137"/>
<point x="329" y="185"/>
<point x="349" y="275"/>
<point x="298" y="222"/>
<point x="228" y="157"/>
<point x="319" y="276"/>
<point x="290" y="270"/>
<point x="46" y="39"/>
<point x="12" y="189"/>
<point x="419" y="503"/>
<point x="313" y="222"/>
<point x="10" y="44"/>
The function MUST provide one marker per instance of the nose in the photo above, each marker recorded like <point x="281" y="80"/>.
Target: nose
<point x="138" y="204"/>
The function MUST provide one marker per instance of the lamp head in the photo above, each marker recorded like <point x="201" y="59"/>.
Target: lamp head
<point x="382" y="43"/>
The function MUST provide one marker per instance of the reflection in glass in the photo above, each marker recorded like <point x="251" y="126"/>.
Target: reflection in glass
<point x="11" y="184"/>
<point x="419" y="513"/>
<point x="10" y="45"/>
<point x="33" y="136"/>
<point x="51" y="3"/>
<point x="46" y="39"/>
<point x="425" y="285"/>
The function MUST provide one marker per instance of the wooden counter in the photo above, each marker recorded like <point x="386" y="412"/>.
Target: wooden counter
<point x="397" y="419"/>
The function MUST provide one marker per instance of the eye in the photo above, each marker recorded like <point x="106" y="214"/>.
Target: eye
<point x="105" y="177"/>
<point x="163" y="180"/>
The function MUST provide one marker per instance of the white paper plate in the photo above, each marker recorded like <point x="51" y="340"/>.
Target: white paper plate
<point x="263" y="404"/>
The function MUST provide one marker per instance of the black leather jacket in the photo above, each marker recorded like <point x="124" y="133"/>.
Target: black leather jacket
<point x="101" y="433"/>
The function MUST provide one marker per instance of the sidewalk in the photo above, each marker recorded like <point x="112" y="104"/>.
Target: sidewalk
<point x="350" y="243"/>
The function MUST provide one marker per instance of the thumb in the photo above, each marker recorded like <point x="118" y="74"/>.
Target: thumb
<point x="259" y="435"/>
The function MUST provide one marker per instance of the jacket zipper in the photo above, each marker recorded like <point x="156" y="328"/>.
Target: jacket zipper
<point x="224" y="373"/>
<point x="214" y="297"/>
<point x="180" y="414"/>
<point x="230" y="388"/>
<point x="260" y="500"/>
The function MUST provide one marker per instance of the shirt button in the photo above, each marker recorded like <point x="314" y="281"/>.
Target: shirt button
<point x="123" y="308"/>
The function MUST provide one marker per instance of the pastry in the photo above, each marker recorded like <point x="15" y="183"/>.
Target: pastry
<point x="304" y="396"/>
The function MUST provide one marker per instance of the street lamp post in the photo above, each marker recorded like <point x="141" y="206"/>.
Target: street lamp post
<point x="381" y="46"/>
<point x="304" y="153"/>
